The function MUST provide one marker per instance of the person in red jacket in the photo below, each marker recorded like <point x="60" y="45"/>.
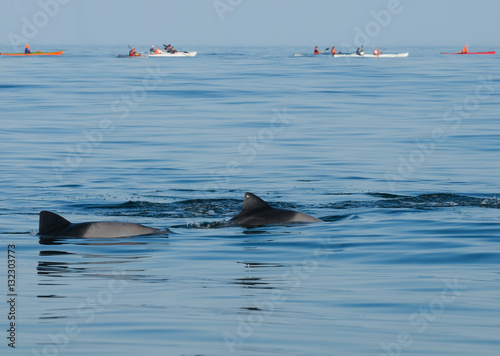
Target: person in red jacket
<point x="333" y="51"/>
<point x="376" y="52"/>
<point x="465" y="50"/>
<point x="316" y="51"/>
<point x="132" y="52"/>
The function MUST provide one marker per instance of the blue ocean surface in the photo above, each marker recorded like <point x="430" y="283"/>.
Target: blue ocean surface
<point x="398" y="157"/>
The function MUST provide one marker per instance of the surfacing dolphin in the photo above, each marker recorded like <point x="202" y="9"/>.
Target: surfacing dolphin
<point x="256" y="212"/>
<point x="52" y="224"/>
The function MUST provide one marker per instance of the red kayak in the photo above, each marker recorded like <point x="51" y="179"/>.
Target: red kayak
<point x="493" y="52"/>
<point x="33" y="54"/>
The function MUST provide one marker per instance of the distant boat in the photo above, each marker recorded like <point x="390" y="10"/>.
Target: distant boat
<point x="163" y="54"/>
<point x="383" y="55"/>
<point x="136" y="56"/>
<point x="176" y="54"/>
<point x="492" y="52"/>
<point x="34" y="54"/>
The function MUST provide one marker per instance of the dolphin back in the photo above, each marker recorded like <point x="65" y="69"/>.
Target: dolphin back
<point x="107" y="229"/>
<point x="52" y="224"/>
<point x="256" y="212"/>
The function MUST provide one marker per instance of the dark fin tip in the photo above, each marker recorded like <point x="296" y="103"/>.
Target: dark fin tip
<point x="252" y="202"/>
<point x="51" y="222"/>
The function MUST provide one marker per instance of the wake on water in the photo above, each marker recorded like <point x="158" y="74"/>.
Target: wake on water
<point x="192" y="210"/>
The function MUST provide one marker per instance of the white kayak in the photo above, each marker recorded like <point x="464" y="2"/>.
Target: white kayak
<point x="348" y="55"/>
<point x="387" y="55"/>
<point x="178" y="54"/>
<point x="383" y="55"/>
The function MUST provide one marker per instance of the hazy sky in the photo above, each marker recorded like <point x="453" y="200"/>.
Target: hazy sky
<point x="251" y="22"/>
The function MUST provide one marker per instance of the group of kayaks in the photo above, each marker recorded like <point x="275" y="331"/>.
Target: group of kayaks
<point x="369" y="55"/>
<point x="168" y="52"/>
<point x="377" y="54"/>
<point x="154" y="54"/>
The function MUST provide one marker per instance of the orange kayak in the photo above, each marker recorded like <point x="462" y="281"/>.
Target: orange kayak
<point x="34" y="54"/>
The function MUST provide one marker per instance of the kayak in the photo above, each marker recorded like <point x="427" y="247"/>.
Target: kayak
<point x="34" y="54"/>
<point x="383" y="55"/>
<point x="387" y="55"/>
<point x="178" y="54"/>
<point x="309" y="54"/>
<point x="492" y="52"/>
<point x="127" y="56"/>
<point x="348" y="55"/>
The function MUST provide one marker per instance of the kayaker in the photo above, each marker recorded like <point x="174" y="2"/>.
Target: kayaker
<point x="172" y="49"/>
<point x="359" y="51"/>
<point x="27" y="49"/>
<point x="152" y="50"/>
<point x="158" y="50"/>
<point x="132" y="52"/>
<point x="316" y="51"/>
<point x="465" y="50"/>
<point x="376" y="52"/>
<point x="333" y="51"/>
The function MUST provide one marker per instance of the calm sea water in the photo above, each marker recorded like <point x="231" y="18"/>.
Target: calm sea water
<point x="399" y="157"/>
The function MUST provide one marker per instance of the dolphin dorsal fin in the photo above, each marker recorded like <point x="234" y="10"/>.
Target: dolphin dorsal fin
<point x="252" y="202"/>
<point x="50" y="222"/>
